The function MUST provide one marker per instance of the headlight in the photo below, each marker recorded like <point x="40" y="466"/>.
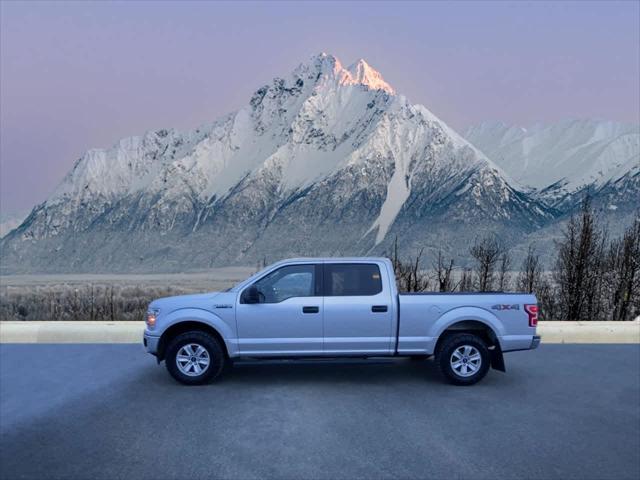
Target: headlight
<point x="152" y="316"/>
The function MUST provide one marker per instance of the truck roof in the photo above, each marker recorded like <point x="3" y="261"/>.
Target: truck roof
<point x="333" y="259"/>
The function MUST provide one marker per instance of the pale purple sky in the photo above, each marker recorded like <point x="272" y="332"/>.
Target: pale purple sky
<point x="79" y="75"/>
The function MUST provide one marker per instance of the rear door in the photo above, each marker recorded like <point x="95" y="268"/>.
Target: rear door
<point x="357" y="310"/>
<point x="288" y="318"/>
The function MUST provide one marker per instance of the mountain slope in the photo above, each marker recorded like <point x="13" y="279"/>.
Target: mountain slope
<point x="329" y="160"/>
<point x="9" y="221"/>
<point x="564" y="161"/>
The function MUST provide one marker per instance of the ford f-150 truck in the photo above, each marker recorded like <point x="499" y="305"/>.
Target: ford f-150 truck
<point x="337" y="307"/>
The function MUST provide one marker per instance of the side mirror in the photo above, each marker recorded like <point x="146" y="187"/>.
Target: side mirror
<point x="252" y="295"/>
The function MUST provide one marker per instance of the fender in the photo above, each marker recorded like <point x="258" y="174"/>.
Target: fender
<point x="477" y="314"/>
<point x="460" y="314"/>
<point x="206" y="317"/>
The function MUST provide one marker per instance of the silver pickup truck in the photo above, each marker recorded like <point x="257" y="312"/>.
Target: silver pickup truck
<point x="337" y="307"/>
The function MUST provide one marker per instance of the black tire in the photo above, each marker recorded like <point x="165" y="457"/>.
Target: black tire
<point x="215" y="351"/>
<point x="449" y="345"/>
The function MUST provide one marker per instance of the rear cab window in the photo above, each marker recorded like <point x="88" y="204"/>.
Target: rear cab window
<point x="352" y="279"/>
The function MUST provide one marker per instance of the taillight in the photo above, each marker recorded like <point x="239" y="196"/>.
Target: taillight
<point x="532" y="311"/>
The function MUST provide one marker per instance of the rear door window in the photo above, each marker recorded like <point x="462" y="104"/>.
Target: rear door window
<point x="352" y="279"/>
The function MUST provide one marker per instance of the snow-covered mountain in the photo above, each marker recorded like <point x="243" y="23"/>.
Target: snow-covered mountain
<point x="565" y="160"/>
<point x="328" y="160"/>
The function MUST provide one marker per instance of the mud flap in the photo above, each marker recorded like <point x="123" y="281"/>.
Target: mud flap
<point x="497" y="359"/>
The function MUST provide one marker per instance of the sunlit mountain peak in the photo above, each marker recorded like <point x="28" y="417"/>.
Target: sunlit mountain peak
<point x="363" y="73"/>
<point x="359" y="73"/>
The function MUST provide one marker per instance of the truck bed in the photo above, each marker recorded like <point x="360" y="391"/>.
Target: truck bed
<point x="424" y="316"/>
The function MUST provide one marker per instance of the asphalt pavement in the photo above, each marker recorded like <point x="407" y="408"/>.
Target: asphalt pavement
<point x="108" y="411"/>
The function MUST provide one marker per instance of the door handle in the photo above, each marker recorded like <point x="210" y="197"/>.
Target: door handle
<point x="310" y="309"/>
<point x="379" y="308"/>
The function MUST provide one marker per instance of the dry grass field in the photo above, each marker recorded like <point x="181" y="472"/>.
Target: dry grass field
<point x="102" y="297"/>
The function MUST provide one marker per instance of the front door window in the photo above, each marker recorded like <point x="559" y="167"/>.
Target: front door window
<point x="287" y="282"/>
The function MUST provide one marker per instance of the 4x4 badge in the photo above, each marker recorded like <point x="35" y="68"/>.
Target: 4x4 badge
<point x="506" y="307"/>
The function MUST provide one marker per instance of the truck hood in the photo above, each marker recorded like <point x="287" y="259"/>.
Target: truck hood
<point x="169" y="304"/>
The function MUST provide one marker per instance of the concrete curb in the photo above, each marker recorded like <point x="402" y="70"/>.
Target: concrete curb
<point x="131" y="332"/>
<point x="590" y="332"/>
<point x="71" y="332"/>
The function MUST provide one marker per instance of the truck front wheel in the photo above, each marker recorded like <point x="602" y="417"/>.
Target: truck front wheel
<point x="463" y="358"/>
<point x="195" y="357"/>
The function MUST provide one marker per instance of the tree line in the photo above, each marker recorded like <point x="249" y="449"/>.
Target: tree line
<point x="592" y="276"/>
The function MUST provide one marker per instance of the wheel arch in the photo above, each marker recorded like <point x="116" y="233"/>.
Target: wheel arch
<point x="474" y="326"/>
<point x="475" y="318"/>
<point x="199" y="321"/>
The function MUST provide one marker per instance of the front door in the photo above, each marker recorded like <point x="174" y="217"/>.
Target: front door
<point x="287" y="319"/>
<point x="357" y="312"/>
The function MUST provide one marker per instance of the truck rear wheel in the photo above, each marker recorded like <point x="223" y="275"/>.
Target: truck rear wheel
<point x="195" y="357"/>
<point x="463" y="358"/>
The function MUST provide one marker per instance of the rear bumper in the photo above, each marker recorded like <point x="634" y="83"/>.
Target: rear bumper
<point x="514" y="343"/>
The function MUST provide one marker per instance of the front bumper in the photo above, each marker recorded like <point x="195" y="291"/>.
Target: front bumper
<point x="150" y="343"/>
<point x="535" y="341"/>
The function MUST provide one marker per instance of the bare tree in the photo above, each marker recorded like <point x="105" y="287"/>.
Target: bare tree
<point x="530" y="276"/>
<point x="622" y="273"/>
<point x="547" y="295"/>
<point x="409" y="276"/>
<point x="595" y="309"/>
<point x="444" y="274"/>
<point x="92" y="301"/>
<point x="504" y="280"/>
<point x="112" y="308"/>
<point x="486" y="253"/>
<point x="395" y="258"/>
<point x="532" y="279"/>
<point x="577" y="268"/>
<point x="466" y="281"/>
